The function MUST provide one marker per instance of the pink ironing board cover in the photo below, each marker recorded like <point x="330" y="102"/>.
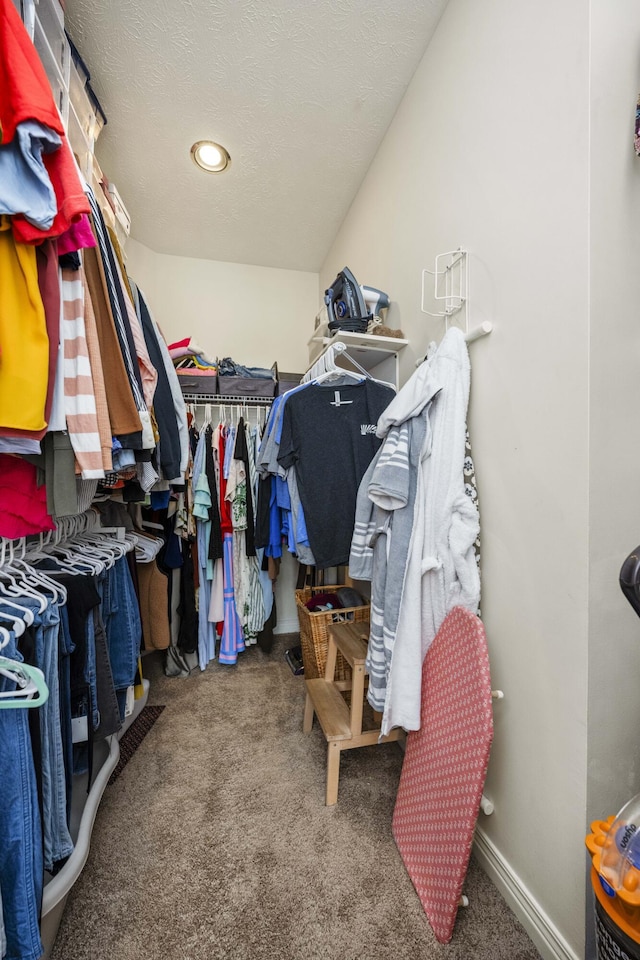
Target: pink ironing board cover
<point x="444" y="768"/>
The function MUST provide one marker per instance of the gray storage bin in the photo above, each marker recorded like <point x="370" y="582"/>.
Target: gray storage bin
<point x="191" y="383"/>
<point x="287" y="381"/>
<point x="246" y="387"/>
<point x="232" y="386"/>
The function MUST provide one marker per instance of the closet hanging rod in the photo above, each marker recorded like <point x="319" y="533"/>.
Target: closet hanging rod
<point x="199" y="399"/>
<point x="486" y="805"/>
<point x="483" y="330"/>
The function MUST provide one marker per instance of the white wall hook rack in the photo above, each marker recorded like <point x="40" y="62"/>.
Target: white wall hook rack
<point x="451" y="283"/>
<point x="451" y="288"/>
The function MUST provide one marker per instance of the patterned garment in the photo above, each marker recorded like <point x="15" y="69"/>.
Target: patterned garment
<point x="185" y="523"/>
<point x="636" y="139"/>
<point x="103" y="242"/>
<point x="255" y="608"/>
<point x="107" y="257"/>
<point x="86" y="491"/>
<point x="391" y="488"/>
<point x="471" y="488"/>
<point x="249" y="597"/>
<point x="202" y="505"/>
<point x="79" y="394"/>
<point x="441" y="572"/>
<point x="444" y="768"/>
<point x="232" y="640"/>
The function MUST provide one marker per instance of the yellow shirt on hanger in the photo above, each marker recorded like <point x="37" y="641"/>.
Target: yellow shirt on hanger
<point x="24" y="342"/>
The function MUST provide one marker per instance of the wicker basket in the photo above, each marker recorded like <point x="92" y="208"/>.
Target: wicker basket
<point x="314" y="638"/>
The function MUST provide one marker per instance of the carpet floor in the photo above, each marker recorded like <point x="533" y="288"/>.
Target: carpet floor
<point x="214" y="841"/>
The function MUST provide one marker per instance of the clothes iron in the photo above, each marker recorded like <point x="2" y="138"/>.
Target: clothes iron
<point x="376" y="300"/>
<point x="345" y="304"/>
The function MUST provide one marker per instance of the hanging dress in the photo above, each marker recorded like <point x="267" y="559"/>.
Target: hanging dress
<point x="248" y="592"/>
<point x="201" y="511"/>
<point x="216" y="602"/>
<point x="232" y="639"/>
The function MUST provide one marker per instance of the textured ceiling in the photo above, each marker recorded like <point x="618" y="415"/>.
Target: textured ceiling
<point x="300" y="93"/>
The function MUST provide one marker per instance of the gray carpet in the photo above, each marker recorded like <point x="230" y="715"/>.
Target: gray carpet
<point x="214" y="842"/>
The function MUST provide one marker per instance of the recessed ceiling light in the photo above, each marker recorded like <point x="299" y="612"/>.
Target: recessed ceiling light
<point x="210" y="156"/>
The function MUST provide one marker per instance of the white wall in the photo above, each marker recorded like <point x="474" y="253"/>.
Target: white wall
<point x="614" y="628"/>
<point x="489" y="150"/>
<point x="254" y="314"/>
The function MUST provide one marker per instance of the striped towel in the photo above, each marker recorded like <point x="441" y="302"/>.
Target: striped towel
<point x="79" y="394"/>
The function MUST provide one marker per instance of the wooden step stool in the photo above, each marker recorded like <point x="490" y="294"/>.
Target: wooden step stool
<point x="342" y="724"/>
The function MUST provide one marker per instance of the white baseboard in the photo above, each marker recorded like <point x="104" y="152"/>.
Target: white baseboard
<point x="545" y="935"/>
<point x="290" y="625"/>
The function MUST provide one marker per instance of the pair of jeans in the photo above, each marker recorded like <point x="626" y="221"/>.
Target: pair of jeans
<point x="108" y="708"/>
<point x="21" y="864"/>
<point x="66" y="647"/>
<point x="57" y="840"/>
<point x="82" y="597"/>
<point x="90" y="674"/>
<point x="123" y="627"/>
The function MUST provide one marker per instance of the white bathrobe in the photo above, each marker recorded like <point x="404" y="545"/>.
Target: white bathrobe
<point x="441" y="570"/>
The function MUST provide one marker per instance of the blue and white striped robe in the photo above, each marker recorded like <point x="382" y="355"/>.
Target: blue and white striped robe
<point x="381" y="541"/>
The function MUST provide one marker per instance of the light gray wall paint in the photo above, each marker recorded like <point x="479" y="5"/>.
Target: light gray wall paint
<point x="489" y="150"/>
<point x="254" y="314"/>
<point x="614" y="508"/>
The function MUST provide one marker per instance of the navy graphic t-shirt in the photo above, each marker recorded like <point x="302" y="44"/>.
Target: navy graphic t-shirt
<point x="328" y="434"/>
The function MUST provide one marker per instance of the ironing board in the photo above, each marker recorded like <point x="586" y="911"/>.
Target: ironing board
<point x="445" y="767"/>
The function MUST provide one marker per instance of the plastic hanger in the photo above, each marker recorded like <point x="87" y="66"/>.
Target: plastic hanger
<point x="39" y="580"/>
<point x="329" y="374"/>
<point x="19" y="586"/>
<point x="103" y="551"/>
<point x="344" y="352"/>
<point x="20" y="589"/>
<point x="20" y="624"/>
<point x="72" y="562"/>
<point x="26" y="573"/>
<point x="109" y="547"/>
<point x="5" y="637"/>
<point x="326" y="364"/>
<point x="10" y="596"/>
<point x="32" y="690"/>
